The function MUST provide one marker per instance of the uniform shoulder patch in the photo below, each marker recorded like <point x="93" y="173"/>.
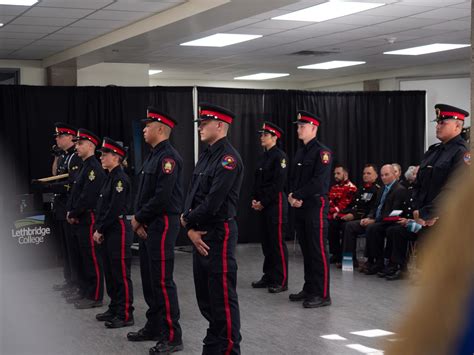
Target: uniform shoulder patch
<point x="467" y="158"/>
<point x="119" y="186"/>
<point x="168" y="165"/>
<point x="229" y="162"/>
<point x="91" y="175"/>
<point x="283" y="163"/>
<point x="325" y="156"/>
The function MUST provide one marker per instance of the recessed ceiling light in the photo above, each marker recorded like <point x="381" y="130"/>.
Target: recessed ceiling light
<point x="221" y="40"/>
<point x="331" y="65"/>
<point x="261" y="76"/>
<point x="153" y="72"/>
<point x="328" y="11"/>
<point x="1" y="24"/>
<point x="18" y="2"/>
<point x="430" y="48"/>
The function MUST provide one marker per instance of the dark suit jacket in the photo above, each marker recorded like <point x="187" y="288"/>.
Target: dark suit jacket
<point x="394" y="201"/>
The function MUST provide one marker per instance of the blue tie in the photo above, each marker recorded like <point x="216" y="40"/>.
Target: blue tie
<point x="382" y="200"/>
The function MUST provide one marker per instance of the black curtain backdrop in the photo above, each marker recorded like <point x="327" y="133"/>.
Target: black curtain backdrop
<point x="360" y="127"/>
<point x="27" y="115"/>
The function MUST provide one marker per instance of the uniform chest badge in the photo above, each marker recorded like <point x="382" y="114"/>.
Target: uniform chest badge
<point x="467" y="158"/>
<point x="75" y="167"/>
<point x="91" y="175"/>
<point x="228" y="162"/>
<point x="119" y="186"/>
<point x="283" y="163"/>
<point x="168" y="165"/>
<point x="325" y="157"/>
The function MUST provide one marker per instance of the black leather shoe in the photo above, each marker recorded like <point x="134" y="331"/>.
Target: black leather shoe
<point x="62" y="287"/>
<point x="142" y="335"/>
<point x="300" y="296"/>
<point x="277" y="289"/>
<point x="387" y="271"/>
<point x="260" y="284"/>
<point x="87" y="304"/>
<point x="74" y="298"/>
<point x="373" y="269"/>
<point x="397" y="275"/>
<point x="164" y="347"/>
<point x="119" y="323"/>
<point x="315" y="302"/>
<point x="106" y="316"/>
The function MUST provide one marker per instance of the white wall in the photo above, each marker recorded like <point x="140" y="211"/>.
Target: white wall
<point x="451" y="91"/>
<point x="266" y="84"/>
<point x="121" y="74"/>
<point x="31" y="71"/>
<point x="359" y="86"/>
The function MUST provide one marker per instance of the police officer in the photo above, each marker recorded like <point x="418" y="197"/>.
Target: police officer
<point x="156" y="221"/>
<point x="67" y="162"/>
<point x="209" y="212"/>
<point x="439" y="162"/>
<point x="114" y="231"/>
<point x="310" y="180"/>
<point x="269" y="198"/>
<point x="81" y="215"/>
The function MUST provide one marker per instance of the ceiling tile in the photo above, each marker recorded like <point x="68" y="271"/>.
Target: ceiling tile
<point x="447" y="13"/>
<point x="82" y="4"/>
<point x="12" y="10"/>
<point x="398" y="10"/>
<point x="111" y="24"/>
<point x="83" y="30"/>
<point x="146" y="6"/>
<point x="58" y="12"/>
<point x="21" y="35"/>
<point x="285" y="25"/>
<point x="69" y="36"/>
<point x="26" y="28"/>
<point x="119" y="15"/>
<point x="43" y="21"/>
<point x="4" y="19"/>
<point x="450" y="26"/>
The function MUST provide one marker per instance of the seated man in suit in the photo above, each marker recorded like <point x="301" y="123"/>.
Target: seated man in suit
<point x="392" y="198"/>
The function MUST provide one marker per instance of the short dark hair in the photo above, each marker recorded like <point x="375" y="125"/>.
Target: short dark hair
<point x="373" y="166"/>
<point x="342" y="167"/>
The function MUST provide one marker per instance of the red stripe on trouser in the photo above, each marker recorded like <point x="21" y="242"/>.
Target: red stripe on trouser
<point x="280" y="237"/>
<point x="163" y="272"/>
<point x="226" y="290"/>
<point x="124" y="271"/>
<point x="321" y="244"/>
<point x="94" y="258"/>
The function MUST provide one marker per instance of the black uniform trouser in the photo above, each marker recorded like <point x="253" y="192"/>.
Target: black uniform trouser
<point x="336" y="226"/>
<point x="311" y="229"/>
<point x="156" y="268"/>
<point x="74" y="254"/>
<point x="60" y="232"/>
<point x="352" y="230"/>
<point x="117" y="258"/>
<point x="91" y="278"/>
<point x="275" y="251"/>
<point x="215" y="281"/>
<point x="376" y="234"/>
<point x="400" y="237"/>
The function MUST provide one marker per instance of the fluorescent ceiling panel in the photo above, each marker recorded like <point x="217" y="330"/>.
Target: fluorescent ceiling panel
<point x="221" y="40"/>
<point x="430" y="48"/>
<point x="261" y="76"/>
<point x="328" y="11"/>
<point x="18" y="2"/>
<point x="334" y="64"/>
<point x="153" y="72"/>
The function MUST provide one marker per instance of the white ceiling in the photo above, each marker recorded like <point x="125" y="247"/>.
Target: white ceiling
<point x="52" y="26"/>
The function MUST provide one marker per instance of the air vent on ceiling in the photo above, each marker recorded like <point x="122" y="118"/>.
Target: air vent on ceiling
<point x="313" y="53"/>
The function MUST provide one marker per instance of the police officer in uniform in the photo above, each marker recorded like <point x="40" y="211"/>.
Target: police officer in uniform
<point x="209" y="212"/>
<point x="309" y="188"/>
<point x="67" y="162"/>
<point x="270" y="200"/>
<point x="156" y="221"/>
<point x="115" y="233"/>
<point x="81" y="215"/>
<point x="440" y="162"/>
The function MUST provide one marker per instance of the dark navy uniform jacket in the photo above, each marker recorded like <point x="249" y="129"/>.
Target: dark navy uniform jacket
<point x="214" y="190"/>
<point x="311" y="173"/>
<point x="270" y="177"/>
<point x="68" y="163"/>
<point x="364" y="201"/>
<point x="160" y="190"/>
<point x="86" y="188"/>
<point x="438" y="164"/>
<point x="113" y="199"/>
